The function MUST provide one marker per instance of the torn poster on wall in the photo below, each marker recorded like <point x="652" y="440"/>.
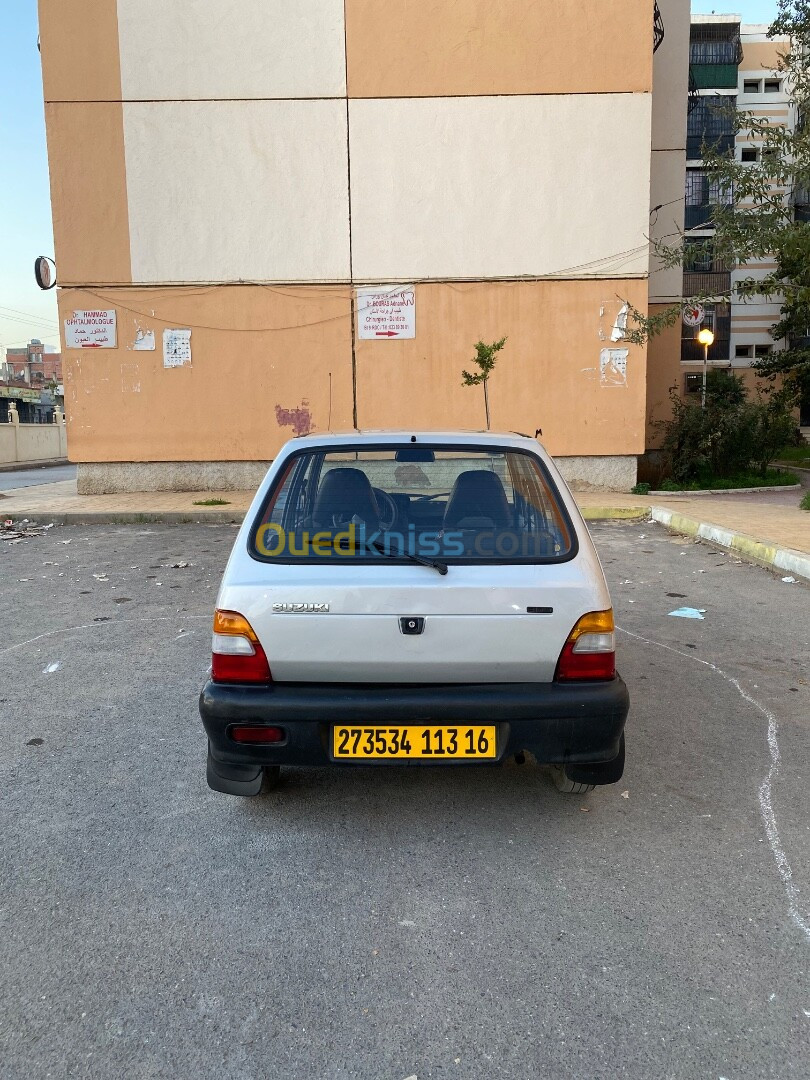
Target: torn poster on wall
<point x="144" y="340"/>
<point x="176" y="348"/>
<point x="613" y="367"/>
<point x="90" y="330"/>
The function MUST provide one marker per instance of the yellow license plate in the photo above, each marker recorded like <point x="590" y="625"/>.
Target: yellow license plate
<point x="464" y="742"/>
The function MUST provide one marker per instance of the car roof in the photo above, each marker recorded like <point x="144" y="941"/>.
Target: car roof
<point x="411" y="435"/>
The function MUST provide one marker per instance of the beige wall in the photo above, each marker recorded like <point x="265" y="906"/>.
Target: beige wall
<point x="432" y="48"/>
<point x="484" y="187"/>
<point x="261" y="359"/>
<point x="663" y="371"/>
<point x="548" y="376"/>
<point x="32" y="442"/>
<point x="88" y="192"/>
<point x="242" y="49"/>
<point x="668" y="168"/>
<point x="267" y="370"/>
<point x="230" y="190"/>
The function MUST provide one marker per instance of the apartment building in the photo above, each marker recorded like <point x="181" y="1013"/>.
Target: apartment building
<point x="286" y="217"/>
<point x="739" y="65"/>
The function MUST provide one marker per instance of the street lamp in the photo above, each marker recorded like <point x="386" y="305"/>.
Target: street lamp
<point x="706" y="339"/>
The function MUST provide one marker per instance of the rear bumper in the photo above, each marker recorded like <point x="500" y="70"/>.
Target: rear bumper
<point x="573" y="723"/>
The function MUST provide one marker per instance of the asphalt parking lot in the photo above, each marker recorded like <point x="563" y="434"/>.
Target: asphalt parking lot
<point x="390" y="924"/>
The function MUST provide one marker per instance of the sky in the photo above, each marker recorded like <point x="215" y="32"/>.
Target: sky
<point x="25" y="211"/>
<point x="25" y="205"/>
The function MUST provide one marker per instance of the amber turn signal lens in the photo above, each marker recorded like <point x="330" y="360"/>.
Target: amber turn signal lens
<point x="231" y="622"/>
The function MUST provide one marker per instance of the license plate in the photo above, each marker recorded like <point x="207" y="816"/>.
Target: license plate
<point x="430" y="743"/>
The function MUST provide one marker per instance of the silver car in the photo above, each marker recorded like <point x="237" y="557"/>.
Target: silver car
<point x="413" y="597"/>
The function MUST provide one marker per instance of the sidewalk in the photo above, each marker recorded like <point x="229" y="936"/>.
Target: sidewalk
<point x="764" y="527"/>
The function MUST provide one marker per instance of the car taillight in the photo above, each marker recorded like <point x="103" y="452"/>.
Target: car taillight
<point x="236" y="653"/>
<point x="590" y="651"/>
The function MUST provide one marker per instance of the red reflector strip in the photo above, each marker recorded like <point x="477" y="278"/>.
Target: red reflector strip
<point x="256" y="734"/>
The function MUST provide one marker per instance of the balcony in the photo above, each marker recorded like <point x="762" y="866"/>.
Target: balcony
<point x="706" y="283"/>
<point x="715" y="54"/>
<point x="711" y="123"/>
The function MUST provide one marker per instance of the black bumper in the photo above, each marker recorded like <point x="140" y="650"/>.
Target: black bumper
<point x="577" y="723"/>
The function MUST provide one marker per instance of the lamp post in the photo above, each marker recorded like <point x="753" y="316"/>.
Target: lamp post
<point x="706" y="339"/>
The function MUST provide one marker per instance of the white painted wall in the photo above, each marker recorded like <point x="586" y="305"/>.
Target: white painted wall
<point x="179" y="49"/>
<point x="668" y="170"/>
<point x="252" y="190"/>
<point x="491" y="187"/>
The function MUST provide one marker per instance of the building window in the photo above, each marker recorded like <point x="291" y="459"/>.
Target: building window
<point x="752" y="86"/>
<point x="744" y="352"/>
<point x="749" y="153"/>
<point x="773" y="86"/>
<point x="763" y="350"/>
<point x="693" y="382"/>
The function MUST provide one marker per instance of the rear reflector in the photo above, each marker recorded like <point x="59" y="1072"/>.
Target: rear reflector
<point x="254" y="734"/>
<point x="236" y="653"/>
<point x="590" y="651"/>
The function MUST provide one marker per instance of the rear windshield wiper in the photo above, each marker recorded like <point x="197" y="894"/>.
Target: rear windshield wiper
<point x="434" y="564"/>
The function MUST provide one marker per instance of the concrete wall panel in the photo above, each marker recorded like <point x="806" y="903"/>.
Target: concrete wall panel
<point x="88" y="192"/>
<point x="79" y="49"/>
<point x="261" y="376"/>
<point x="237" y="190"/>
<point x="434" y="48"/>
<point x="494" y="187"/>
<point x="186" y="49"/>
<point x="548" y="375"/>
<point x="668" y="169"/>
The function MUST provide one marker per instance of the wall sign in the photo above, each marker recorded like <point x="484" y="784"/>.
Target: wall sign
<point x="90" y="330"/>
<point x="386" y="312"/>
<point x="176" y="348"/>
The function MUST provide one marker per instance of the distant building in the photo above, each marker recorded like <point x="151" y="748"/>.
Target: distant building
<point x="735" y="65"/>
<point x="31" y="364"/>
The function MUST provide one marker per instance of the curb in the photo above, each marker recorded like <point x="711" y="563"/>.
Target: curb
<point x="32" y="466"/>
<point x="720" y="492"/>
<point x="748" y="547"/>
<point x="109" y="517"/>
<point x="614" y="513"/>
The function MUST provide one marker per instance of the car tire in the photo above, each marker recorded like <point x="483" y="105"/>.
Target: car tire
<point x="580" y="779"/>
<point x="247" y="781"/>
<point x="569" y="787"/>
<point x="271" y="778"/>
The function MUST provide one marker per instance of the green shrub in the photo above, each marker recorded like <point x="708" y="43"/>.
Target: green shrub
<point x="640" y="489"/>
<point x="730" y="435"/>
<point x="805" y="503"/>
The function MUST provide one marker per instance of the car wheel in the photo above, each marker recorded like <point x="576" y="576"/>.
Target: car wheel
<point x="570" y="787"/>
<point x="245" y="780"/>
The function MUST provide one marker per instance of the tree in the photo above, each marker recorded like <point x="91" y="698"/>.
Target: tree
<point x="752" y="209"/>
<point x="485" y="359"/>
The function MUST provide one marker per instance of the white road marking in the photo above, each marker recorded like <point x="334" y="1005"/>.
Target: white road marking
<point x="95" y="626"/>
<point x="766" y="787"/>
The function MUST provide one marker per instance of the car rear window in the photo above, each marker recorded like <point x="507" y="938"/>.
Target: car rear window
<point x="454" y="504"/>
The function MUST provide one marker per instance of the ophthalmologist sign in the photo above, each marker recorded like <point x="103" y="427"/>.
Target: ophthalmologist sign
<point x="386" y="312"/>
